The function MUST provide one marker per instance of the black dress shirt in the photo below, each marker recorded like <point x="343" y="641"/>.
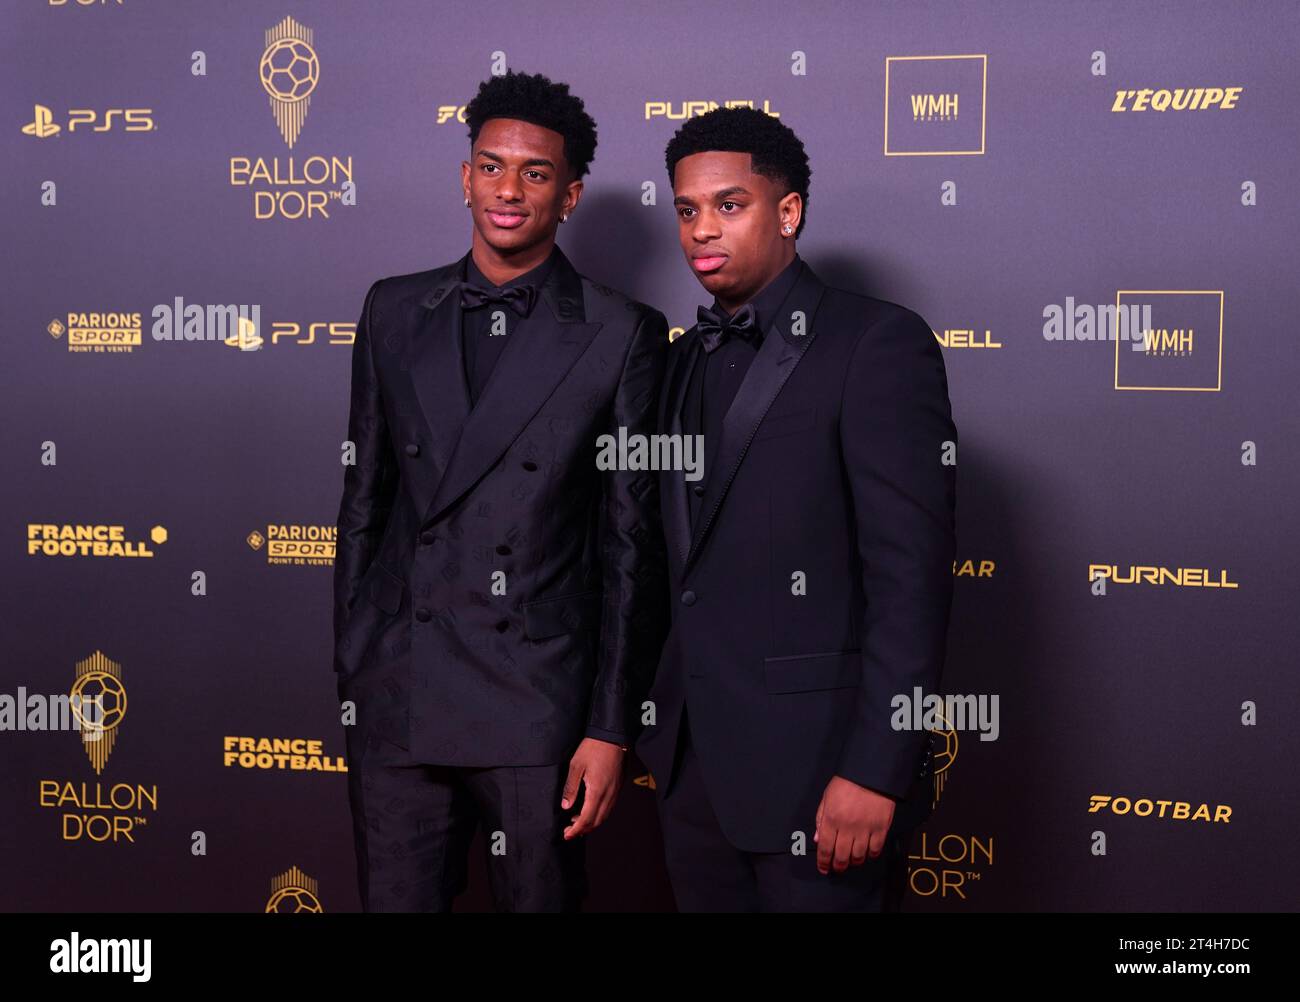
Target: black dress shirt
<point x="479" y="346"/>
<point x="718" y="375"/>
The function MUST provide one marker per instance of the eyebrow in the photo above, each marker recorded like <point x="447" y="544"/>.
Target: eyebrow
<point x="532" y="162"/>
<point x="735" y="189"/>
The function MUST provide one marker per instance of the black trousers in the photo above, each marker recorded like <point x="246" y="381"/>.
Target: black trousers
<point x="413" y="824"/>
<point x="709" y="874"/>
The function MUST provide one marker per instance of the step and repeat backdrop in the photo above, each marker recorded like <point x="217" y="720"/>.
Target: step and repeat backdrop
<point x="1092" y="205"/>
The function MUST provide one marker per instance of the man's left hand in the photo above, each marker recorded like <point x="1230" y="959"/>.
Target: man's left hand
<point x="852" y="823"/>
<point x="598" y="765"/>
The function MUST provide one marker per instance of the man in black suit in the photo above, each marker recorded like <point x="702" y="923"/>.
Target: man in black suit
<point x="811" y="567"/>
<point x="499" y="602"/>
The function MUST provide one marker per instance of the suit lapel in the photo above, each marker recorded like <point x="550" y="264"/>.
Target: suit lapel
<point x="776" y="360"/>
<point x="676" y="509"/>
<point x="531" y="366"/>
<point x="438" y="368"/>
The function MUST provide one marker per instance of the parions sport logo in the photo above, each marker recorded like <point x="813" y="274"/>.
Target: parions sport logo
<point x="296" y="545"/>
<point x="98" y="333"/>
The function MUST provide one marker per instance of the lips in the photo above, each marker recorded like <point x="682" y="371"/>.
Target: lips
<point x="708" y="262"/>
<point x="507" y="219"/>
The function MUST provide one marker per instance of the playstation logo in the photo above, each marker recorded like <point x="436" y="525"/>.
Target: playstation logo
<point x="90" y="120"/>
<point x="42" y="125"/>
<point x="245" y="337"/>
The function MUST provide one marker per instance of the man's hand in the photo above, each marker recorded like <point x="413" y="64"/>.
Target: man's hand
<point x="599" y="766"/>
<point x="852" y="822"/>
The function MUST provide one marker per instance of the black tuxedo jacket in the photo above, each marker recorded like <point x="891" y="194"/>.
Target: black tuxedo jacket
<point x="442" y="496"/>
<point x="830" y="468"/>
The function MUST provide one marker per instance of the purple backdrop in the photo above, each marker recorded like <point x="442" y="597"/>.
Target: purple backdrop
<point x="1138" y="693"/>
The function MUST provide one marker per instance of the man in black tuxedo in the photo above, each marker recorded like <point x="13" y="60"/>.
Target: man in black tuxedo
<point x="811" y="567"/>
<point x="499" y="602"/>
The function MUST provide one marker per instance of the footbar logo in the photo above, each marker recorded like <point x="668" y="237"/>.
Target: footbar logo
<point x="1144" y="807"/>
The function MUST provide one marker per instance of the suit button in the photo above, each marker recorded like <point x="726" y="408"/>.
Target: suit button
<point x="503" y="626"/>
<point x="427" y="537"/>
<point x="688" y="598"/>
<point x="530" y="466"/>
<point x="423" y="614"/>
<point x="503" y="550"/>
<point x="412" y="449"/>
<point x="699" y="490"/>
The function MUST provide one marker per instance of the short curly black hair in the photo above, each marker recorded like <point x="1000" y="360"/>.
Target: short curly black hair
<point x="777" y="153"/>
<point x="535" y="98"/>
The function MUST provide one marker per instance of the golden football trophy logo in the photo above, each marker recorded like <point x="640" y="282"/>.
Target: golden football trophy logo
<point x="945" y="753"/>
<point x="289" y="71"/>
<point x="293" y="891"/>
<point x="99" y="685"/>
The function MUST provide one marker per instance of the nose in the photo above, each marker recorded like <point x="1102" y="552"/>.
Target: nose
<point x="509" y="187"/>
<point x="705" y="227"/>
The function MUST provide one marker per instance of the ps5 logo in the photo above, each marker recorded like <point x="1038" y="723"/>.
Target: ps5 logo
<point x="43" y="126"/>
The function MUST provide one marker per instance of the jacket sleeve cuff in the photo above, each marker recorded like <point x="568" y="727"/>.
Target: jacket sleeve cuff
<point x="613" y="737"/>
<point x="886" y="767"/>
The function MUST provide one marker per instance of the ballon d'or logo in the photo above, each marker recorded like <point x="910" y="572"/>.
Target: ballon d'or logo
<point x="99" y="704"/>
<point x="289" y="71"/>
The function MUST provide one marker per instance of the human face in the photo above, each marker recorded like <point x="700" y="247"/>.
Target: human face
<point x="518" y="184"/>
<point x="730" y="222"/>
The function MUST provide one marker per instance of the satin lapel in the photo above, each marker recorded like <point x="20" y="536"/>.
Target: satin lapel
<point x="676" y="510"/>
<point x="776" y="360"/>
<point x="531" y="366"/>
<point x="438" y="367"/>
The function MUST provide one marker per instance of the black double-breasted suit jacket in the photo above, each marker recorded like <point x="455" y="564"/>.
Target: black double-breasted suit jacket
<point x="447" y="505"/>
<point x="814" y="585"/>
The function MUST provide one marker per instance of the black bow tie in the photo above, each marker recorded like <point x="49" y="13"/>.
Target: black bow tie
<point x="519" y="298"/>
<point x="714" y="330"/>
